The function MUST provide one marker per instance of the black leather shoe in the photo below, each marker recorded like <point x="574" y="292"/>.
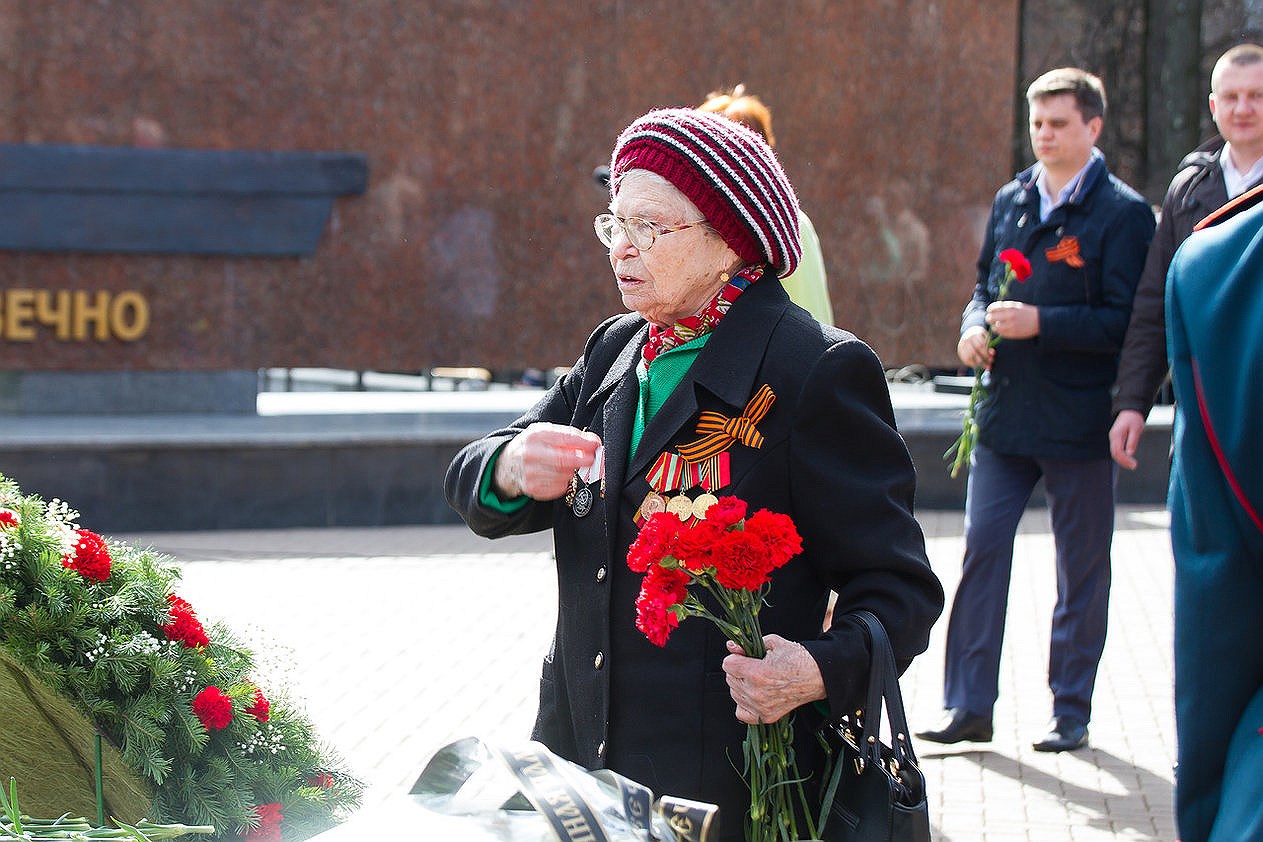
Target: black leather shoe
<point x="1066" y="734"/>
<point x="959" y="725"/>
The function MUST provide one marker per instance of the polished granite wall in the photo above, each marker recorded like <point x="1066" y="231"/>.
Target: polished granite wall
<point x="482" y="122"/>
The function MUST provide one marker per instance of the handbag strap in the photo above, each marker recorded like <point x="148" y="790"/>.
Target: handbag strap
<point x="883" y="686"/>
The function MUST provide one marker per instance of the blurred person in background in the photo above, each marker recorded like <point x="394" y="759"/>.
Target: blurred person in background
<point x="1220" y="169"/>
<point x="808" y="286"/>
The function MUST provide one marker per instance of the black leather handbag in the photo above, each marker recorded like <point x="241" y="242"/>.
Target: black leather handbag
<point x="876" y="792"/>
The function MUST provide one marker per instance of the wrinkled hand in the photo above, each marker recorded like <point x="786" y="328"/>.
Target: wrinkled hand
<point x="766" y="689"/>
<point x="1125" y="438"/>
<point x="541" y="459"/>
<point x="973" y="349"/>
<point x="1013" y="319"/>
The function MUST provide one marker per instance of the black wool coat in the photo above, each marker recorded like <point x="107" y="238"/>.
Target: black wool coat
<point x="831" y="459"/>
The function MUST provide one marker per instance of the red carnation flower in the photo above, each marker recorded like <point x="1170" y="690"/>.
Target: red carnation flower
<point x="259" y="710"/>
<point x="741" y="562"/>
<point x="213" y="708"/>
<point x="777" y="535"/>
<point x="184" y="625"/>
<point x="661" y="589"/>
<point x="654" y="541"/>
<point x="729" y="511"/>
<point x="323" y="780"/>
<point x="695" y="547"/>
<point x="269" y="829"/>
<point x="1017" y="262"/>
<point x="90" y="558"/>
<point x="9" y="519"/>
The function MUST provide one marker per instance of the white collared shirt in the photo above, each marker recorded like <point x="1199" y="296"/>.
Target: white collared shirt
<point x="1047" y="202"/>
<point x="1236" y="181"/>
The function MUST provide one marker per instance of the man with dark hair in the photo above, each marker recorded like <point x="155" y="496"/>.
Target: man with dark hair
<point x="1087" y="90"/>
<point x="1047" y="409"/>
<point x="1221" y="169"/>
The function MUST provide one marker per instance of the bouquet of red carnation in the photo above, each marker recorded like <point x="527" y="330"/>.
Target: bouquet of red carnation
<point x="727" y="558"/>
<point x="1016" y="267"/>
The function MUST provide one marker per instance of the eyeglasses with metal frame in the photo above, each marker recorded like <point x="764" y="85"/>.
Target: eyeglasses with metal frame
<point x="641" y="233"/>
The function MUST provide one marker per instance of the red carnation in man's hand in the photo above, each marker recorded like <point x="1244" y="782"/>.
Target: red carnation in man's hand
<point x="1017" y="263"/>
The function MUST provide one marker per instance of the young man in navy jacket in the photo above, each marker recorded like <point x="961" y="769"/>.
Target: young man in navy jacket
<point x="1047" y="412"/>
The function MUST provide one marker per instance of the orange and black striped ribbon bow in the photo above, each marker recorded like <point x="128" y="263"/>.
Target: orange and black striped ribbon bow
<point x="721" y="432"/>
<point x="1067" y="250"/>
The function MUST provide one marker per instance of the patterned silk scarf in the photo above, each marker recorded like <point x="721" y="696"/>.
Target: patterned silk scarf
<point x="688" y="329"/>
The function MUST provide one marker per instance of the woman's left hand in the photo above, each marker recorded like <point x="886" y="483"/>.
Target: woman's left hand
<point x="765" y="689"/>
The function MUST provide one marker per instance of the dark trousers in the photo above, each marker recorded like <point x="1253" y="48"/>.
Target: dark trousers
<point x="1080" y="496"/>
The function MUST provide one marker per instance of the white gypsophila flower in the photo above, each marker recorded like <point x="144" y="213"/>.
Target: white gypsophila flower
<point x="58" y="511"/>
<point x="143" y="643"/>
<point x="65" y="536"/>
<point x="100" y="650"/>
<point x="9" y="546"/>
<point x="264" y="742"/>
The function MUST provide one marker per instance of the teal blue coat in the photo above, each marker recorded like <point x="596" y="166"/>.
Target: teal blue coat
<point x="1214" y="309"/>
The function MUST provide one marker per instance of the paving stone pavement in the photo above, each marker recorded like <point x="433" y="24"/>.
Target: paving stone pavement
<point x="398" y="640"/>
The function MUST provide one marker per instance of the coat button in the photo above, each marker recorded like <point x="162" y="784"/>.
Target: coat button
<point x="599" y="660"/>
<point x="600" y="573"/>
<point x="600" y="749"/>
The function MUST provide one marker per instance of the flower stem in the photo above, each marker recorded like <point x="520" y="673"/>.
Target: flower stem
<point x="960" y="451"/>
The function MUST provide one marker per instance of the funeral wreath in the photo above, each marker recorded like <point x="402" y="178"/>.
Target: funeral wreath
<point x="102" y="625"/>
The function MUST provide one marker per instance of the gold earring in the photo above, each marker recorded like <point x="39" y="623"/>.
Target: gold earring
<point x="723" y="276"/>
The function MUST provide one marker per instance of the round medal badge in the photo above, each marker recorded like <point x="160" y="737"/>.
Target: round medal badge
<point x="582" y="501"/>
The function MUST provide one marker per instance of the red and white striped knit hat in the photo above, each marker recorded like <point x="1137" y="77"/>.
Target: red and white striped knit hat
<point x="725" y="169"/>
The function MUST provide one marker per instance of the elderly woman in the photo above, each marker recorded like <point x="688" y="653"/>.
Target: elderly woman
<point x="702" y="222"/>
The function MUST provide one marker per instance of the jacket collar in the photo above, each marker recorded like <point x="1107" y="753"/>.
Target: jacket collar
<point x="623" y="363"/>
<point x="1082" y="194"/>
<point x="726" y="367"/>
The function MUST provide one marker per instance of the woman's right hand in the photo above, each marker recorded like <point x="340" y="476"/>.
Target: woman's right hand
<point x="539" y="461"/>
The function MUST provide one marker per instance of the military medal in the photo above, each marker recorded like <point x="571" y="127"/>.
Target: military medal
<point x="666" y="475"/>
<point x="653" y="504"/>
<point x="673" y="471"/>
<point x="714" y="472"/>
<point x="580" y="496"/>
<point x="582" y="501"/>
<point x="681" y="506"/>
<point x="702" y="504"/>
